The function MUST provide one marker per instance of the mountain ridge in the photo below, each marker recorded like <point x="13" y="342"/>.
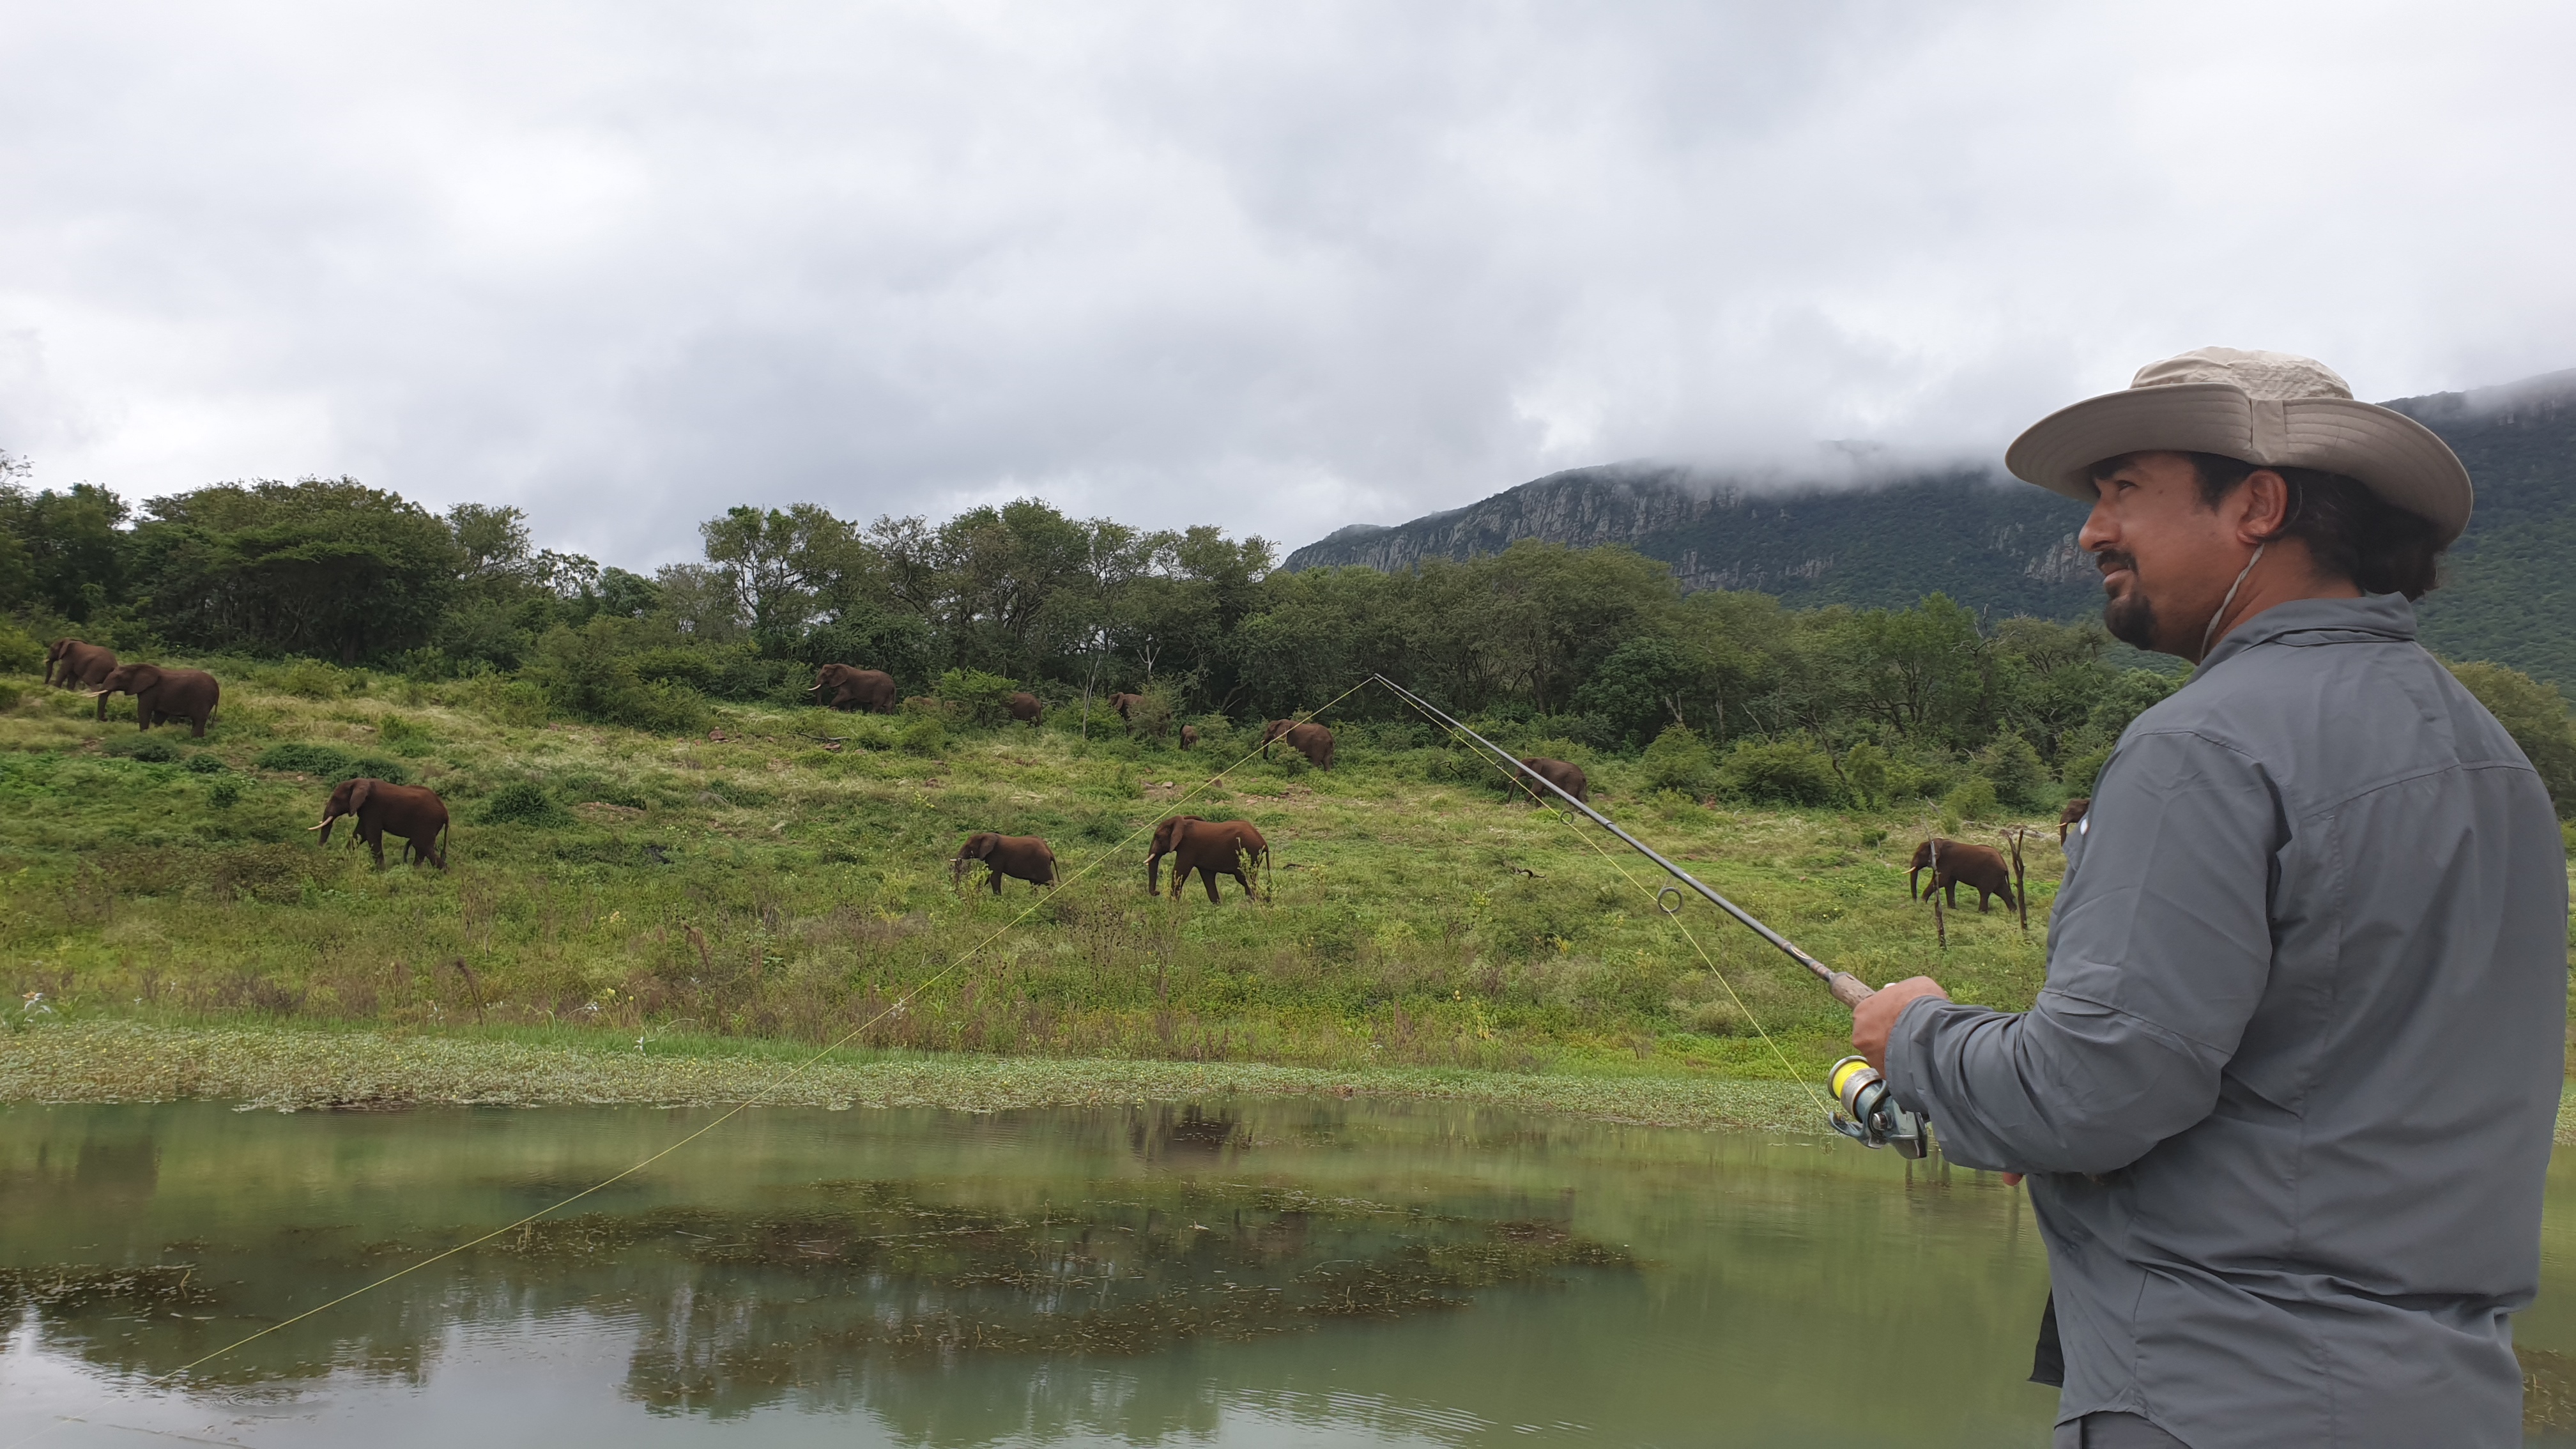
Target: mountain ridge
<point x="2002" y="547"/>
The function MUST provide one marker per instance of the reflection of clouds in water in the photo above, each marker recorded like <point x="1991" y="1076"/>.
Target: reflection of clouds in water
<point x="950" y="1322"/>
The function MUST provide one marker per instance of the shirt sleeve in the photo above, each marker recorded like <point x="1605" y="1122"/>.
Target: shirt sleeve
<point x="2159" y="951"/>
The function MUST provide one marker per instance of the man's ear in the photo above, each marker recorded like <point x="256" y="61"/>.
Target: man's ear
<point x="2265" y="497"/>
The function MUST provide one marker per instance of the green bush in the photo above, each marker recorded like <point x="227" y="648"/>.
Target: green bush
<point x="205" y="764"/>
<point x="2536" y="716"/>
<point x="1866" y="767"/>
<point x="2078" y="774"/>
<point x="924" y="732"/>
<point x="2014" y="768"/>
<point x="331" y="764"/>
<point x="308" y="679"/>
<point x="521" y="803"/>
<point x="975" y="697"/>
<point x="1973" y="800"/>
<point x="19" y="652"/>
<point x="1151" y="716"/>
<point x="590" y="673"/>
<point x="1677" y="760"/>
<point x="141" y="747"/>
<point x="225" y="793"/>
<point x="1787" y="772"/>
<point x="403" y="736"/>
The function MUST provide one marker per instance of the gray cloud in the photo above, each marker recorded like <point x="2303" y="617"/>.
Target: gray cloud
<point x="1279" y="269"/>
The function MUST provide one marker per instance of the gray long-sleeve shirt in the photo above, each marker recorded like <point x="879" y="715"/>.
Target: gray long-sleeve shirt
<point x="2287" y="1096"/>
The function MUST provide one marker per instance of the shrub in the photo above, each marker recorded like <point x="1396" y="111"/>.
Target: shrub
<point x="588" y="673"/>
<point x="2019" y="778"/>
<point x="141" y="747"/>
<point x="2536" y="716"/>
<point x="308" y="679"/>
<point x="1151" y="716"/>
<point x="1788" y="772"/>
<point x="19" y="653"/>
<point x="1677" y="760"/>
<point x="1973" y="800"/>
<point x="1865" y="766"/>
<point x="923" y="733"/>
<point x="521" y="803"/>
<point x="332" y="765"/>
<point x="2078" y="774"/>
<point x="205" y="764"/>
<point x="403" y="736"/>
<point x="975" y="697"/>
<point x="225" y="793"/>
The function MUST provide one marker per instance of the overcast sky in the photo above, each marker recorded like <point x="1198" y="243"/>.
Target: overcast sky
<point x="1276" y="267"/>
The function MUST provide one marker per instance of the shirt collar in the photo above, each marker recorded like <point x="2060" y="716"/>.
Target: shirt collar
<point x="2372" y="618"/>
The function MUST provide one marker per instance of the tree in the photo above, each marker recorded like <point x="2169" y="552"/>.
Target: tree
<point x="66" y="552"/>
<point x="322" y="566"/>
<point x="2536" y="716"/>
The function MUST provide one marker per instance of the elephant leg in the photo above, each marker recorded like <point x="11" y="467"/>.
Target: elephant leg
<point x="1982" y="899"/>
<point x="993" y="875"/>
<point x="1207" y="873"/>
<point x="376" y="847"/>
<point x="1913" y="882"/>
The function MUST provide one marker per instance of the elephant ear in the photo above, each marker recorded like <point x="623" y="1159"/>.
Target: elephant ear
<point x="358" y="796"/>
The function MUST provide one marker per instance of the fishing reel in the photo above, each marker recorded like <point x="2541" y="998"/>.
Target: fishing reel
<point x="1875" y="1120"/>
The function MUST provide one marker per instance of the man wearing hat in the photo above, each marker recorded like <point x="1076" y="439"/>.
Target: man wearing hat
<point x="2286" y="1100"/>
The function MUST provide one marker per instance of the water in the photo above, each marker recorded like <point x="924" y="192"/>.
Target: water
<point x="1241" y="1273"/>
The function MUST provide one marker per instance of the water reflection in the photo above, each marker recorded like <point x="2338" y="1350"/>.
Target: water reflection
<point x="1241" y="1273"/>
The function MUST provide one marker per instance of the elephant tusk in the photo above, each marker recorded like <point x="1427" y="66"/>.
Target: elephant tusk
<point x="325" y="825"/>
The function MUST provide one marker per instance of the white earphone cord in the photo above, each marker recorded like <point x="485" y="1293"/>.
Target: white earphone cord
<point x="2231" y="598"/>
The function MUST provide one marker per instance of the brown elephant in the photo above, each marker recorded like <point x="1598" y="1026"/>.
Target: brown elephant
<point x="2073" y="812"/>
<point x="162" y="695"/>
<point x="1311" y="740"/>
<point x="1980" y="866"/>
<point x="1189" y="737"/>
<point x="1122" y="703"/>
<point x="844" y="686"/>
<point x="70" y="664"/>
<point x="1563" y="774"/>
<point x="1022" y="857"/>
<point x="415" y="814"/>
<point x="1212" y="848"/>
<point x="1026" y="709"/>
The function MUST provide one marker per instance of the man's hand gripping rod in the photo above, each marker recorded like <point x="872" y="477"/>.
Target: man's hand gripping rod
<point x="1875" y="1119"/>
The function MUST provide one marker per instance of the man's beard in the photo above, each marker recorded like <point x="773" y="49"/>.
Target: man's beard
<point x="2129" y="616"/>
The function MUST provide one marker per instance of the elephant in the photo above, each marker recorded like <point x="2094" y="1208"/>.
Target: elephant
<point x="1189" y="737"/>
<point x="1024" y="707"/>
<point x="162" y="695"/>
<point x="2073" y="812"/>
<point x="1980" y="866"/>
<point x="1122" y="703"/>
<point x="74" y="665"/>
<point x="409" y="811"/>
<point x="1311" y="740"/>
<point x="1564" y="775"/>
<point x="1212" y="848"/>
<point x="1023" y="857"/>
<point x="843" y="686"/>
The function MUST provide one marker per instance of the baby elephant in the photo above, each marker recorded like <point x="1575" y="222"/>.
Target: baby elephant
<point x="1025" y="708"/>
<point x="1212" y="848"/>
<point x="1022" y="857"/>
<point x="1560" y="773"/>
<point x="1980" y="866"/>
<point x="409" y="811"/>
<point x="1189" y="737"/>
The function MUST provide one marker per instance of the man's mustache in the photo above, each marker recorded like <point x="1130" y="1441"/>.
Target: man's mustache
<point x="2111" y="559"/>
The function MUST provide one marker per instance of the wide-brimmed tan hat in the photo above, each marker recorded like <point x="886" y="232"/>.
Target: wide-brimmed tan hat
<point x="2267" y="408"/>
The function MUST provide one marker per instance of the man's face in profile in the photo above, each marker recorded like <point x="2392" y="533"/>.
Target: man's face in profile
<point x="2166" y="558"/>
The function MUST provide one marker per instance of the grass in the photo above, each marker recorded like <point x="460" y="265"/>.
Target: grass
<point x="706" y="894"/>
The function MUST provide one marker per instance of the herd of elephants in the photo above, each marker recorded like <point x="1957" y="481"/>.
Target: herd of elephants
<point x="417" y="816"/>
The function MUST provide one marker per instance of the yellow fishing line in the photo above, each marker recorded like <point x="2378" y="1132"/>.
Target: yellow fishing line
<point x="1581" y="834"/>
<point x="783" y="1078"/>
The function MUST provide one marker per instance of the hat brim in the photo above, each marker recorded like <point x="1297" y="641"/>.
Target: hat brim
<point x="2391" y="454"/>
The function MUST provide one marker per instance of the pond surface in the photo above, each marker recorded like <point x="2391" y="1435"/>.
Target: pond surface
<point x="1239" y="1273"/>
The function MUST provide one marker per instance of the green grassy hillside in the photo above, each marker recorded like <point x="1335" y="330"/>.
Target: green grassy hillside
<point x="766" y="886"/>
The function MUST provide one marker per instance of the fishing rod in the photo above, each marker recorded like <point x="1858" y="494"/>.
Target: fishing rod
<point x="1874" y="1119"/>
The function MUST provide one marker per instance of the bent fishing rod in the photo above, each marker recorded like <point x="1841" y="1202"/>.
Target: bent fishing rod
<point x="1874" y="1119"/>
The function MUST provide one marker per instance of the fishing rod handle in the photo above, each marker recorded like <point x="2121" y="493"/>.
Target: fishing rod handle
<point x="1848" y="989"/>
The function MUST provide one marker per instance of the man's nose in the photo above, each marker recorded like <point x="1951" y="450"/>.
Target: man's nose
<point x="2100" y="529"/>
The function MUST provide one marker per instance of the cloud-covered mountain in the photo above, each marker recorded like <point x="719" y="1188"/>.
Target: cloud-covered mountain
<point x="2004" y="548"/>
